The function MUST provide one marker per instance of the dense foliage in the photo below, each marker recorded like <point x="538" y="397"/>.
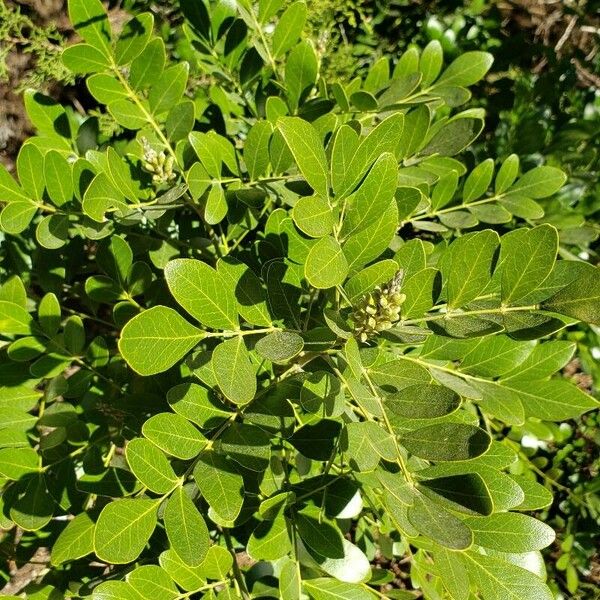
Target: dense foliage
<point x="264" y="329"/>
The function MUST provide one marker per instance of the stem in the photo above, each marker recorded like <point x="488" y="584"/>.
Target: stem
<point x="442" y="211"/>
<point x="468" y="313"/>
<point x="243" y="332"/>
<point x="237" y="573"/>
<point x="388" y="426"/>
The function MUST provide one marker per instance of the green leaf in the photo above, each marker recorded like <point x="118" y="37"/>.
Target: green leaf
<point x="422" y="401"/>
<point x="283" y="293"/>
<point x="256" y="149"/>
<point x="544" y="360"/>
<point x="156" y="339"/>
<point x="114" y="590"/>
<point x="102" y="197"/>
<point x="501" y="402"/>
<point x="385" y="137"/>
<point x="365" y="443"/>
<point x="34" y="508"/>
<point x="363" y="101"/>
<point x="120" y="175"/>
<point x="85" y="58"/>
<point x="57" y="173"/>
<point x="208" y="151"/>
<point x="128" y="114"/>
<point x="76" y="540"/>
<point x="49" y="117"/>
<point x="316" y="441"/>
<point x="444" y="191"/>
<point x="289" y="581"/>
<point x="106" y="88"/>
<point x="148" y="67"/>
<point x="215" y="209"/>
<point x="202" y="292"/>
<point x="510" y="532"/>
<point x="324" y="588"/>
<point x="313" y="216"/>
<point x="490" y="213"/>
<point x="186" y="577"/>
<point x="506" y="174"/>
<point x="16" y="462"/>
<point x="467" y="266"/>
<point x="150" y="582"/>
<point x="370" y="277"/>
<point x="175" y="435"/>
<point x="14" y="319"/>
<point x="270" y="540"/>
<point x="536" y="495"/>
<point x="49" y="314"/>
<point x="133" y="38"/>
<point x="368" y="244"/>
<point x="289" y="28"/>
<point x="307" y="149"/>
<point x="526" y="258"/>
<point x="398" y="374"/>
<point x="501" y="580"/>
<point x="280" y="346"/>
<point x="52" y="231"/>
<point x="301" y="70"/>
<point x="123" y="528"/>
<point x="522" y="207"/>
<point x="495" y="355"/>
<point x="13" y="290"/>
<point x="447" y="442"/>
<point x="186" y="529"/>
<point x="180" y="120"/>
<point x="353" y="567"/>
<point x="420" y="293"/>
<point x="198" y="405"/>
<point x="234" y="372"/>
<point x="364" y="207"/>
<point x="467" y="69"/>
<point x="221" y="485"/>
<point x="580" y="299"/>
<point x="466" y="493"/>
<point x="430" y="63"/>
<point x="540" y="182"/>
<point x="436" y="523"/>
<point x="90" y="21"/>
<point x="453" y="137"/>
<point x="318" y="533"/>
<point x="345" y="145"/>
<point x="453" y="574"/>
<point x="554" y="400"/>
<point x="150" y="466"/>
<point x="247" y="445"/>
<point x="416" y="125"/>
<point x="30" y="165"/>
<point x="10" y="191"/>
<point x="478" y="181"/>
<point x="248" y="291"/>
<point x="503" y="490"/>
<point x="16" y="216"/>
<point x="168" y="90"/>
<point x="326" y="266"/>
<point x="319" y="393"/>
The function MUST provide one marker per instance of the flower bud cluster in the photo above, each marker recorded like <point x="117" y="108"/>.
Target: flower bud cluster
<point x="379" y="309"/>
<point x="158" y="163"/>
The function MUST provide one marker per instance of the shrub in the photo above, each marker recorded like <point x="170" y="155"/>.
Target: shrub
<point x="265" y="333"/>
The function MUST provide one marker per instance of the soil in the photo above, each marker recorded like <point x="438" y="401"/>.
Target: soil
<point x="14" y="125"/>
